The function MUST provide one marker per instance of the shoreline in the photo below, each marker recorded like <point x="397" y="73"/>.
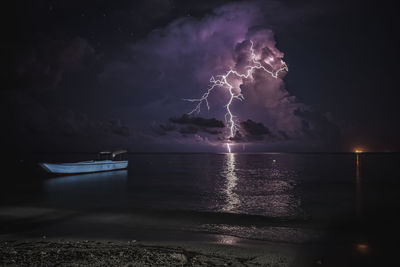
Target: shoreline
<point x="29" y="234"/>
<point x="33" y="235"/>
<point x="78" y="252"/>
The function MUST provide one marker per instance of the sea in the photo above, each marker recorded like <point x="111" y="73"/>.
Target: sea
<point x="299" y="198"/>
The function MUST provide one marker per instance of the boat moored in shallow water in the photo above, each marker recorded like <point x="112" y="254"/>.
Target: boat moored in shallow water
<point x="109" y="164"/>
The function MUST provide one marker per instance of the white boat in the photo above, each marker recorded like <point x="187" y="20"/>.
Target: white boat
<point x="88" y="166"/>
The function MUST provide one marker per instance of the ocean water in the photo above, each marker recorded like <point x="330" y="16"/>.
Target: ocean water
<point x="284" y="197"/>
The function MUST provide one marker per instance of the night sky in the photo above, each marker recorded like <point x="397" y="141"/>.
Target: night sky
<point x="89" y="76"/>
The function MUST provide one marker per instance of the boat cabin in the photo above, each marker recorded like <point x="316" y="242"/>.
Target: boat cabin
<point x="116" y="155"/>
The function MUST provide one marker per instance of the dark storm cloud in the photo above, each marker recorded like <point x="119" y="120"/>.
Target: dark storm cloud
<point x="198" y="121"/>
<point x="189" y="125"/>
<point x="30" y="126"/>
<point x="163" y="129"/>
<point x="67" y="122"/>
<point x="189" y="129"/>
<point x="251" y="131"/>
<point x="254" y="130"/>
<point x="284" y="135"/>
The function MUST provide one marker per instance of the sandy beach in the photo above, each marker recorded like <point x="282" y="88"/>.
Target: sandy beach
<point x="130" y="253"/>
<point x="46" y="237"/>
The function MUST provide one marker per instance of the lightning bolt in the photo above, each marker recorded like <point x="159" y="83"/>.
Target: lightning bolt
<point x="222" y="81"/>
<point x="228" y="147"/>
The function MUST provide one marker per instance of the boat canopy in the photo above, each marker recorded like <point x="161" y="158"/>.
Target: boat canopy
<point x="113" y="154"/>
<point x="118" y="152"/>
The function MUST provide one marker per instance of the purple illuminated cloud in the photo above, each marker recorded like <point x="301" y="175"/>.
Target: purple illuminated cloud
<point x="177" y="62"/>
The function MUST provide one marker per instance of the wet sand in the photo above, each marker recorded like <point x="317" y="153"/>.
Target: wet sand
<point x="33" y="236"/>
<point x="130" y="253"/>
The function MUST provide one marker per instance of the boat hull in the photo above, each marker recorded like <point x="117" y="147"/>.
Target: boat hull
<point x="84" y="167"/>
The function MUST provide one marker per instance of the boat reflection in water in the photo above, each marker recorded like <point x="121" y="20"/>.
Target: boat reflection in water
<point x="94" y="189"/>
<point x="232" y="198"/>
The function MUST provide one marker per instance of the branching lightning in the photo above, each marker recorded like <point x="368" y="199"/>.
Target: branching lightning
<point x="222" y="81"/>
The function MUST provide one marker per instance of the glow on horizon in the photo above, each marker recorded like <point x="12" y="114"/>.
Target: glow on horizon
<point x="222" y="81"/>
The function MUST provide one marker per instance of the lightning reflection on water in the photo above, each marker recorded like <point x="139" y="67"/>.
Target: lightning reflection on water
<point x="232" y="200"/>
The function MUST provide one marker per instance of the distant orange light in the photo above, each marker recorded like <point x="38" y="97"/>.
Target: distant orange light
<point x="358" y="151"/>
<point x="362" y="248"/>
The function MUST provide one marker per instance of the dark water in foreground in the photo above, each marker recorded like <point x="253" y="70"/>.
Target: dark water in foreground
<point x="283" y="197"/>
